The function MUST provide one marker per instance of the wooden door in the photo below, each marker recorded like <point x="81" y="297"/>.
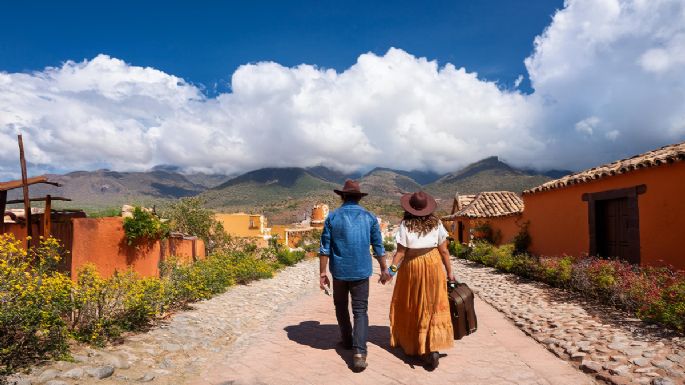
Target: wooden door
<point x="616" y="237"/>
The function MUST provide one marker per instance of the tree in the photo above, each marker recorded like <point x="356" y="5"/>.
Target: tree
<point x="189" y="216"/>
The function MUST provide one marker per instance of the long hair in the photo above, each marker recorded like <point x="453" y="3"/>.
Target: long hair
<point x="421" y="225"/>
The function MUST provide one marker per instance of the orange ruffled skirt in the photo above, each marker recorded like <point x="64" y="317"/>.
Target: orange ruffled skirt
<point x="420" y="319"/>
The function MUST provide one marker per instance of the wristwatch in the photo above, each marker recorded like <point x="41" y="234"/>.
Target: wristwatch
<point x="392" y="270"/>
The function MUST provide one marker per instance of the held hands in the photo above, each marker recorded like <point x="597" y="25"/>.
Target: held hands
<point x="385" y="277"/>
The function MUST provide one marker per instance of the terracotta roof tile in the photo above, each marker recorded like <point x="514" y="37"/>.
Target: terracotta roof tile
<point x="491" y="204"/>
<point x="465" y="200"/>
<point x="664" y="155"/>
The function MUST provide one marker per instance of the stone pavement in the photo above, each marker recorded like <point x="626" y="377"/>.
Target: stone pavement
<point x="299" y="347"/>
<point x="610" y="344"/>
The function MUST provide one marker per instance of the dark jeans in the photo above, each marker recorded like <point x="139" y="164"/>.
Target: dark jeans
<point x="359" y="291"/>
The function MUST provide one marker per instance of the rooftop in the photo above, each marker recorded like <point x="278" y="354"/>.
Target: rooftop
<point x="489" y="204"/>
<point x="664" y="155"/>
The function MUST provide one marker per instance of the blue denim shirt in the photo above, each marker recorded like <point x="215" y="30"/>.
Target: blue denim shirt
<point x="347" y="236"/>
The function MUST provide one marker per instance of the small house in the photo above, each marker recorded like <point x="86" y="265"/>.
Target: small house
<point x="493" y="215"/>
<point x="242" y="225"/>
<point x="632" y="209"/>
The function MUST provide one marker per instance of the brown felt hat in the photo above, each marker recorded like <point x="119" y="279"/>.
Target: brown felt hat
<point x="351" y="187"/>
<point x="418" y="203"/>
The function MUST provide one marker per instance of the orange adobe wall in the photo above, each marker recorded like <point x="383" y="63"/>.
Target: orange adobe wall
<point x="102" y="242"/>
<point x="19" y="230"/>
<point x="186" y="250"/>
<point x="504" y="229"/>
<point x="559" y="218"/>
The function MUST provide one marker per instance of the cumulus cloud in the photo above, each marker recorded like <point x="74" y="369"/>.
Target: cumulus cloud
<point x="608" y="79"/>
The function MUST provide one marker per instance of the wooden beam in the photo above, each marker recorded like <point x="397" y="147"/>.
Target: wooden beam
<point x="25" y="188"/>
<point x="3" y="205"/>
<point x="47" y="223"/>
<point x="42" y="199"/>
<point x="10" y="185"/>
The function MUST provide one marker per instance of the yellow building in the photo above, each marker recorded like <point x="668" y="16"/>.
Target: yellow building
<point x="246" y="226"/>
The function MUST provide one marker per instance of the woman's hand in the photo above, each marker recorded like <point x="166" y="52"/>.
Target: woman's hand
<point x="451" y="277"/>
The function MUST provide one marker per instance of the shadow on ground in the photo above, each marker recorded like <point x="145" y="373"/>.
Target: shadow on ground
<point x="327" y="337"/>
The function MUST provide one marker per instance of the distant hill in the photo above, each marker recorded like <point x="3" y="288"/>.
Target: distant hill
<point x="331" y="175"/>
<point x="387" y="183"/>
<point x="283" y="194"/>
<point x="104" y="188"/>
<point x="420" y="177"/>
<point x="489" y="174"/>
<point x="554" y="174"/>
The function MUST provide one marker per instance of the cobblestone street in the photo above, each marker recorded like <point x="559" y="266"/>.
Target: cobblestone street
<point x="283" y="331"/>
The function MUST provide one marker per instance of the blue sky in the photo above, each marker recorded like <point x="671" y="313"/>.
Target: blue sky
<point x="221" y="86"/>
<point x="204" y="42"/>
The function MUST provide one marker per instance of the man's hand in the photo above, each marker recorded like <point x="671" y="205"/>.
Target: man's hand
<point x="324" y="281"/>
<point x="385" y="277"/>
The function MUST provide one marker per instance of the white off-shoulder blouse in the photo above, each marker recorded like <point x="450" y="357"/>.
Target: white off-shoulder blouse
<point x="413" y="240"/>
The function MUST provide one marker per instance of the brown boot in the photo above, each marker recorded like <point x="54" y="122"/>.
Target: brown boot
<point x="359" y="362"/>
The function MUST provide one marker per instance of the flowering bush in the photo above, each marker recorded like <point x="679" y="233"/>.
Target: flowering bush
<point x="33" y="298"/>
<point x="653" y="294"/>
<point x="40" y="308"/>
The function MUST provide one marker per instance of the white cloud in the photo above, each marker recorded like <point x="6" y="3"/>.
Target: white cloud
<point x="518" y="81"/>
<point x="587" y="125"/>
<point x="608" y="79"/>
<point x="598" y="59"/>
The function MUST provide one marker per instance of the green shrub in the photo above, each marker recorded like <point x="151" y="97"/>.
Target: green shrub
<point x="481" y="252"/>
<point x="144" y="226"/>
<point x="522" y="239"/>
<point x="289" y="258"/>
<point x="505" y="259"/>
<point x="670" y="308"/>
<point x="311" y="247"/>
<point x="556" y="271"/>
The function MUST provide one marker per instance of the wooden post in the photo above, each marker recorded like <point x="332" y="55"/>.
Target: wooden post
<point x="25" y="188"/>
<point x="3" y="207"/>
<point x="47" y="217"/>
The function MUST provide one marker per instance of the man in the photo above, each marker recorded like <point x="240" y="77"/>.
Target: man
<point x="348" y="234"/>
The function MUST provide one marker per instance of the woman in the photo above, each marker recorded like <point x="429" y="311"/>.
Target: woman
<point x="419" y="312"/>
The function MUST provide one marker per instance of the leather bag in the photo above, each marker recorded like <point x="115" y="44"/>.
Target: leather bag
<point x="462" y="309"/>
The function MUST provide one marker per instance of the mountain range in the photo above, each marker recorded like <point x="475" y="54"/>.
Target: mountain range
<point x="283" y="194"/>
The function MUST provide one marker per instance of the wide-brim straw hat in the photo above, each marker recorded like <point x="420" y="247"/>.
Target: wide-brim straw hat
<point x="351" y="187"/>
<point x="419" y="203"/>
